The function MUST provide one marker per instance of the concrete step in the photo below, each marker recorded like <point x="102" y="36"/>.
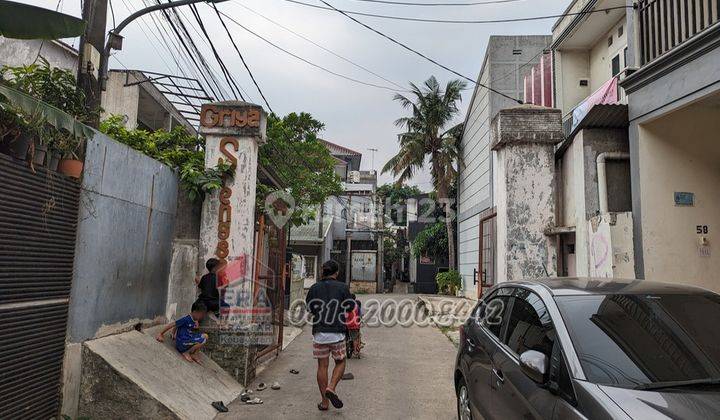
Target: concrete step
<point x="131" y="375"/>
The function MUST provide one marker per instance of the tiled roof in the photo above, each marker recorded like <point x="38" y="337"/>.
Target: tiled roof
<point x="336" y="149"/>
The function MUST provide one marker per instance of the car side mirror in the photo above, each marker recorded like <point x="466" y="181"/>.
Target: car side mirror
<point x="534" y="365"/>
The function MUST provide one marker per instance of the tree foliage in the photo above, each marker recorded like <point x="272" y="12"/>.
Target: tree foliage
<point x="303" y="163"/>
<point x="394" y="197"/>
<point x="429" y="134"/>
<point x="431" y="241"/>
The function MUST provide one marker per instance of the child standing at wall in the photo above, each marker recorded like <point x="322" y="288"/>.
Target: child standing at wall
<point x="211" y="286"/>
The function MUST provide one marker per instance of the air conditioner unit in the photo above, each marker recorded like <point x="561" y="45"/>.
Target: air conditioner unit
<point x="354" y="177"/>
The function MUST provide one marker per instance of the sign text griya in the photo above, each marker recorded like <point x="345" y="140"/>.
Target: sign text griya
<point x="214" y="116"/>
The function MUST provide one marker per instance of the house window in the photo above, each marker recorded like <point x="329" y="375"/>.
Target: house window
<point x="616" y="65"/>
<point x="610" y="41"/>
<point x="620" y="31"/>
<point x="625" y="62"/>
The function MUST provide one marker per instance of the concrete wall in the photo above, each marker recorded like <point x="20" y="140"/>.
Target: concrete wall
<point x="21" y="52"/>
<point x="119" y="99"/>
<point x="579" y="183"/>
<point x="611" y="246"/>
<point x="507" y="60"/>
<point x="125" y="232"/>
<point x="680" y="152"/>
<point x="185" y="263"/>
<point x="601" y="55"/>
<point x="570" y="67"/>
<point x="679" y="78"/>
<point x="524" y="139"/>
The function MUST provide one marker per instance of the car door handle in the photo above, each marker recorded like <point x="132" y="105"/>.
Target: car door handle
<point x="498" y="375"/>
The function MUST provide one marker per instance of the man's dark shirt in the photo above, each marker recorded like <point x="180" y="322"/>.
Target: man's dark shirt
<point x="328" y="301"/>
<point x="208" y="288"/>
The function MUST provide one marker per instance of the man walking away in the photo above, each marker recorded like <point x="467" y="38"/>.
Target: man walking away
<point x="329" y="300"/>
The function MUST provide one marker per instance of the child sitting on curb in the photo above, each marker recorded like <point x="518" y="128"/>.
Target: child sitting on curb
<point x="187" y="341"/>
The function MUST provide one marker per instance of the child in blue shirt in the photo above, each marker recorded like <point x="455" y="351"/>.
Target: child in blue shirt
<point x="187" y="341"/>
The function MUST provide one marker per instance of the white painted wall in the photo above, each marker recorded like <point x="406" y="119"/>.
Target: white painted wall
<point x="601" y="55"/>
<point x="680" y="152"/>
<point x="611" y="246"/>
<point x="468" y="252"/>
<point x="21" y="52"/>
<point x="119" y="99"/>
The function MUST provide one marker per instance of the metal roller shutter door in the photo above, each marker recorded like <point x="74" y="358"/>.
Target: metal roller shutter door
<point x="38" y="224"/>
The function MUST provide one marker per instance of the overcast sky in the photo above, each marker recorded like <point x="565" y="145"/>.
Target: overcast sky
<point x="356" y="116"/>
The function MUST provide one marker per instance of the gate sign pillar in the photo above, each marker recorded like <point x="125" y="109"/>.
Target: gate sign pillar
<point x="233" y="131"/>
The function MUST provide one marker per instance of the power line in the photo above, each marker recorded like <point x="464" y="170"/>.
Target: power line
<point x="347" y="60"/>
<point x="454" y="21"/>
<point x="176" y="13"/>
<point x="179" y="37"/>
<point x="419" y="53"/>
<point x="474" y="3"/>
<point x="242" y="58"/>
<point x="307" y="61"/>
<point x="228" y="77"/>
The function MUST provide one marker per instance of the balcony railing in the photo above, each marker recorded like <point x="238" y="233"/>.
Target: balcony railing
<point x="665" y="24"/>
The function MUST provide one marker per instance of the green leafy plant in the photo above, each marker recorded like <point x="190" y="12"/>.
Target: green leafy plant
<point x="449" y="282"/>
<point x="176" y="148"/>
<point x="46" y="103"/>
<point x="52" y="85"/>
<point x="431" y="241"/>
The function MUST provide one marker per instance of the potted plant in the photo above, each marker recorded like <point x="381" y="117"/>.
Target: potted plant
<point x="14" y="140"/>
<point x="39" y="132"/>
<point x="70" y="164"/>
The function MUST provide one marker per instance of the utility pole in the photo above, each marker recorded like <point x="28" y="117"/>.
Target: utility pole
<point x="348" y="241"/>
<point x="92" y="43"/>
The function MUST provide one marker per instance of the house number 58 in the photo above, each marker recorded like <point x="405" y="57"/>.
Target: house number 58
<point x="701" y="229"/>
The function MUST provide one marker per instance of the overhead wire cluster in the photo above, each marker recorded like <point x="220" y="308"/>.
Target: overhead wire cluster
<point x="172" y="30"/>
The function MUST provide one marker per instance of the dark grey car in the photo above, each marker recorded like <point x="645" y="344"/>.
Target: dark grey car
<point x="590" y="348"/>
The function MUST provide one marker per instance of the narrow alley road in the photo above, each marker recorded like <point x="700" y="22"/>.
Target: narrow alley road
<point x="405" y="373"/>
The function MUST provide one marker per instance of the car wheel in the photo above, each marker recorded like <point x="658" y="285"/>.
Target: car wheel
<point x="463" y="401"/>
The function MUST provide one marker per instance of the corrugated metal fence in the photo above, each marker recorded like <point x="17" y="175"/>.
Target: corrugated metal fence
<point x="38" y="221"/>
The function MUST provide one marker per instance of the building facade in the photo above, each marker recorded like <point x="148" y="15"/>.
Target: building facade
<point x="508" y="59"/>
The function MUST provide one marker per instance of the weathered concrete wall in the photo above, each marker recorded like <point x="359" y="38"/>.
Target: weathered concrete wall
<point x="524" y="138"/>
<point x="611" y="246"/>
<point x="186" y="263"/>
<point x="580" y="199"/>
<point x="21" y="52"/>
<point x="125" y="232"/>
<point x="119" y="99"/>
<point x="507" y="60"/>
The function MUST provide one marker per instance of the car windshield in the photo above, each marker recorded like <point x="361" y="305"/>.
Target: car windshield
<point x="632" y="340"/>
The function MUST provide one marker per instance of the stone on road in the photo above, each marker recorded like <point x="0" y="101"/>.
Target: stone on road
<point x="405" y="373"/>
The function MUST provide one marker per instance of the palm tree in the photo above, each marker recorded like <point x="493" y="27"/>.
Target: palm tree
<point x="427" y="135"/>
